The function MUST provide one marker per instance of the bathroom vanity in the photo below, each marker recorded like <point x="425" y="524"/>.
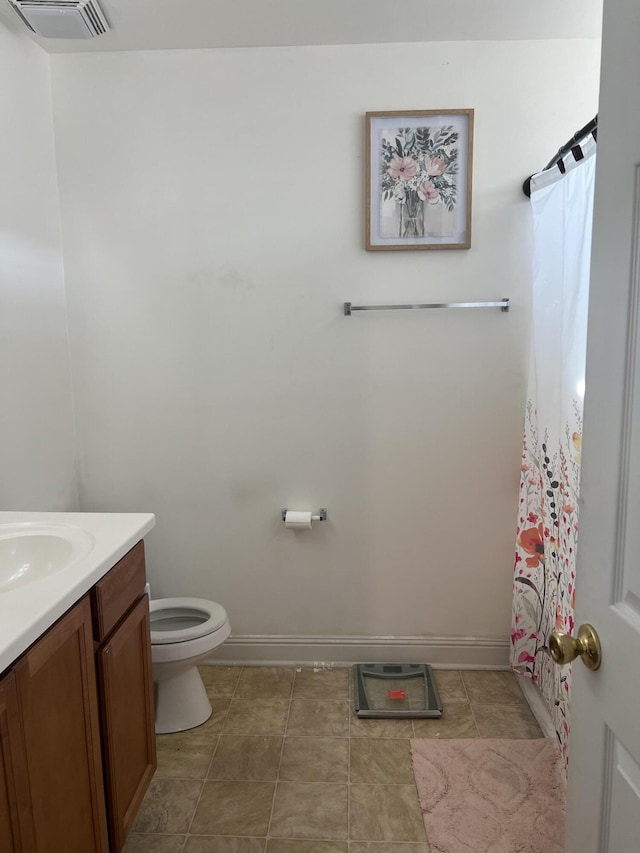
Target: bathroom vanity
<point x="77" y="741"/>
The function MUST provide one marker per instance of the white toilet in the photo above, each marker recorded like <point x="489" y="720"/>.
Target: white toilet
<point x="184" y="632"/>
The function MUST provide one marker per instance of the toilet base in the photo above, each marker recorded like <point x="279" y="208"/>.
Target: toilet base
<point x="181" y="702"/>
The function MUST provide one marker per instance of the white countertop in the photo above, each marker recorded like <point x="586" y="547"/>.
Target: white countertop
<point x="27" y="611"/>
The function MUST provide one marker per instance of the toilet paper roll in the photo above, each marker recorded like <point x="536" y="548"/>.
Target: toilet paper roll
<point x="297" y="520"/>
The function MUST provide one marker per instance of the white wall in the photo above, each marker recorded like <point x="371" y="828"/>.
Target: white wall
<point x="212" y="206"/>
<point x="37" y="445"/>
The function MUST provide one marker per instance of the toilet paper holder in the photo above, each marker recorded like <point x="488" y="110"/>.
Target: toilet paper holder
<point x="321" y="515"/>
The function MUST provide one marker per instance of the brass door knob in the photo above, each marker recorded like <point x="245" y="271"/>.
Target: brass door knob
<point x="563" y="648"/>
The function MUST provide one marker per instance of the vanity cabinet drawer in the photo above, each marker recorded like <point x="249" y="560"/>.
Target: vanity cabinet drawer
<point x="118" y="590"/>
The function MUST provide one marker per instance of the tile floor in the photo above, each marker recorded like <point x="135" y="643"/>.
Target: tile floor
<point x="285" y="766"/>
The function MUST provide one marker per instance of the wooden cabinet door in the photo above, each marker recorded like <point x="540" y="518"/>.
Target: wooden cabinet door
<point x="56" y="685"/>
<point x="128" y="728"/>
<point x="16" y="829"/>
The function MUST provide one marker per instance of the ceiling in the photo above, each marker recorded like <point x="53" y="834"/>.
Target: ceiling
<point x="180" y="24"/>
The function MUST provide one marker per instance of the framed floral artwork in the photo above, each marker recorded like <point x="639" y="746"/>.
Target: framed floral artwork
<point x="419" y="167"/>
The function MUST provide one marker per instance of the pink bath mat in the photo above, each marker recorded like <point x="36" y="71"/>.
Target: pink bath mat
<point x="491" y="796"/>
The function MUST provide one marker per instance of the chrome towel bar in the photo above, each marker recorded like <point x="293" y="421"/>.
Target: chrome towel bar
<point x="503" y="305"/>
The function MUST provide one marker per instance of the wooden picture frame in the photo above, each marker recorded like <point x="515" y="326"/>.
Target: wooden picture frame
<point x="419" y="168"/>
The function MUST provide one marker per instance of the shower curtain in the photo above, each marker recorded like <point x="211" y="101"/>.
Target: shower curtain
<point x="547" y="527"/>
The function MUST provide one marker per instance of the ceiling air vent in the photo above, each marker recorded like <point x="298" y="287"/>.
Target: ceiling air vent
<point x="62" y="19"/>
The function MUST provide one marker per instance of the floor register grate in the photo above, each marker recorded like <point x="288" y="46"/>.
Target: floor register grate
<point x="395" y="690"/>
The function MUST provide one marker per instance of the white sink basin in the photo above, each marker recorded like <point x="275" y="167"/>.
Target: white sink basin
<point x="31" y="551"/>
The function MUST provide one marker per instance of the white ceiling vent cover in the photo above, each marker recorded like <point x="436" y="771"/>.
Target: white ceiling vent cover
<point x="62" y="19"/>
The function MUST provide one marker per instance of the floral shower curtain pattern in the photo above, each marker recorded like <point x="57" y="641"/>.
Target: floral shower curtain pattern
<point x="544" y="583"/>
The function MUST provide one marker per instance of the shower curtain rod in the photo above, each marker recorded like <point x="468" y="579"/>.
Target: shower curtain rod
<point x="590" y="129"/>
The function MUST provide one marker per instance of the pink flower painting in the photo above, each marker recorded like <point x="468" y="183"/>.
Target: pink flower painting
<point x="419" y="169"/>
<point x="427" y="192"/>
<point x="402" y="167"/>
<point x="435" y="166"/>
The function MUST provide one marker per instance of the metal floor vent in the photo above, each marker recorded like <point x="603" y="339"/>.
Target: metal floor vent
<point x="395" y="690"/>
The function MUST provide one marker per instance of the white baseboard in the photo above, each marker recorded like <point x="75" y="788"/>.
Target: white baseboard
<point x="538" y="706"/>
<point x="444" y="652"/>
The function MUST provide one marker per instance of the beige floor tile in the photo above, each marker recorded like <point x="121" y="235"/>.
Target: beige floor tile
<point x="256" y="716"/>
<point x="361" y="727"/>
<point x="385" y="813"/>
<point x="386" y="847"/>
<point x="209" y="730"/>
<point x="247" y="757"/>
<point x="280" y="845"/>
<point x="315" y="759"/>
<point x="507" y="721"/>
<point x="381" y="760"/>
<point x="234" y="808"/>
<point x="220" y="680"/>
<point x="186" y="755"/>
<point x="492" y="688"/>
<point x="456" y="722"/>
<point x="450" y="685"/>
<point x="220" y="706"/>
<point x="168" y="806"/>
<point x="218" y="844"/>
<point x="154" y="844"/>
<point x="319" y="718"/>
<point x="219" y="709"/>
<point x="310" y="810"/>
<point x="265" y="682"/>
<point x="311" y="802"/>
<point x="325" y="684"/>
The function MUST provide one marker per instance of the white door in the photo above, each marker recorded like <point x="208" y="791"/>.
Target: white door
<point x="603" y="814"/>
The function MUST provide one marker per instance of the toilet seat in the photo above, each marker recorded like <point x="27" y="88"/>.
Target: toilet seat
<point x="177" y="620"/>
<point x="184" y="633"/>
